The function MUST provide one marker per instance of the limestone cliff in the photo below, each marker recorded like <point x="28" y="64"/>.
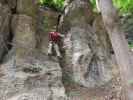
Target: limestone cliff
<point x="27" y="73"/>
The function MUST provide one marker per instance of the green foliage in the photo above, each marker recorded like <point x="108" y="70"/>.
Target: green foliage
<point x="131" y="45"/>
<point x="56" y="4"/>
<point x="124" y="6"/>
<point x="93" y="2"/>
<point x="130" y="82"/>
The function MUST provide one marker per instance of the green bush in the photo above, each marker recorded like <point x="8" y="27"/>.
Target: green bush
<point x="124" y="6"/>
<point x="131" y="45"/>
<point x="56" y="4"/>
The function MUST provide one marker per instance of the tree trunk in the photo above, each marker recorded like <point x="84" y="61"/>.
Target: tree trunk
<point x="97" y="5"/>
<point x="119" y="44"/>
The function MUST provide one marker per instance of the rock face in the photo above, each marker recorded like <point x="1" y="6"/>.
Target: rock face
<point x="47" y="19"/>
<point x="87" y="59"/>
<point x="5" y="16"/>
<point x="12" y="4"/>
<point x="31" y="79"/>
<point x="24" y="30"/>
<point x="26" y="74"/>
<point x="2" y="1"/>
<point x="27" y="7"/>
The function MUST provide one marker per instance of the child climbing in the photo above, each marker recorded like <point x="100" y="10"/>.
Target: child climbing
<point x="54" y="39"/>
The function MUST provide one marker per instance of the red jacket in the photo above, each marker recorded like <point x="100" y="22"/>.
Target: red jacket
<point x="54" y="36"/>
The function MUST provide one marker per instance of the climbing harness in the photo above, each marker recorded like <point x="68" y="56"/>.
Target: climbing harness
<point x="54" y="38"/>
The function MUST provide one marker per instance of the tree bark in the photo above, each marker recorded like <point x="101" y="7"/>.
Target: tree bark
<point x="97" y="5"/>
<point x="119" y="45"/>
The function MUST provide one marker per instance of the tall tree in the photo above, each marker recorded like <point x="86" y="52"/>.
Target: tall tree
<point x="120" y="46"/>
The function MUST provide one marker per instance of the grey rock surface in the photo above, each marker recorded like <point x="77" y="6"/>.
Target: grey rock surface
<point x="87" y="58"/>
<point x="31" y="79"/>
<point x="5" y="17"/>
<point x="24" y="30"/>
<point x="12" y="4"/>
<point x="26" y="74"/>
<point x="27" y="7"/>
<point x="2" y="1"/>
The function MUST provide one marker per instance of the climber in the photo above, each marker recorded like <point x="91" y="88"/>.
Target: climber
<point x="54" y="39"/>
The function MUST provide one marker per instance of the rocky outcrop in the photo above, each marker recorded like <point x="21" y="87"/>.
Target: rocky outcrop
<point x="27" y="74"/>
<point x="24" y="30"/>
<point x="87" y="59"/>
<point x="27" y="7"/>
<point x="31" y="79"/>
<point x="5" y="17"/>
<point x="2" y="1"/>
<point x="12" y="4"/>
